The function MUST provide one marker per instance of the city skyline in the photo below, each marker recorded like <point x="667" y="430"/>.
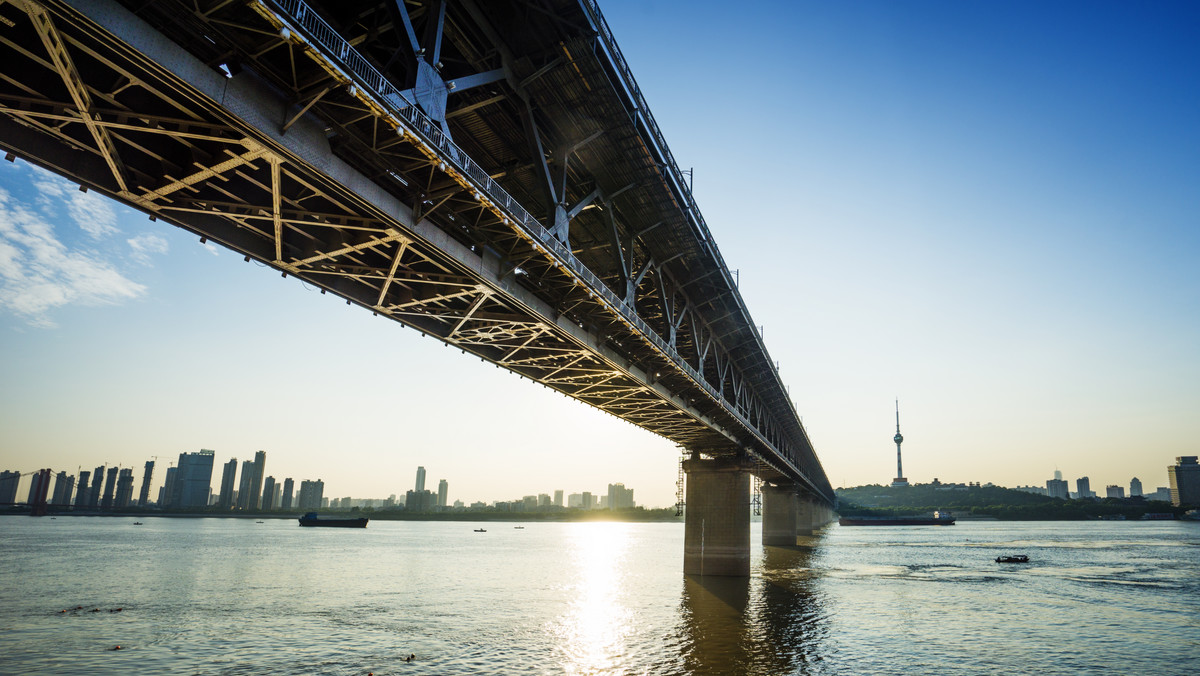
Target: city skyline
<point x="215" y="496"/>
<point x="988" y="212"/>
<point x="1058" y="486"/>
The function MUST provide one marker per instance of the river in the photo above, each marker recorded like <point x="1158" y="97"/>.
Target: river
<point x="232" y="596"/>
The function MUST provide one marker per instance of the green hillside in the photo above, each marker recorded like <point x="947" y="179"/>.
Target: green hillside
<point x="986" y="501"/>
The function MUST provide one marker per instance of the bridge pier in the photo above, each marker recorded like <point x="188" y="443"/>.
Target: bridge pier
<point x="716" y="538"/>
<point x="779" y="515"/>
<point x="805" y="515"/>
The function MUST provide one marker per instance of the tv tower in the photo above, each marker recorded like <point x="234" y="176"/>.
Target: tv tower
<point x="899" y="439"/>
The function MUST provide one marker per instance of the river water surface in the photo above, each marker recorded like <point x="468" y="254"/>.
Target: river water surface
<point x="215" y="596"/>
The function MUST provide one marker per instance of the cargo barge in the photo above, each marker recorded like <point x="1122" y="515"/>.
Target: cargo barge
<point x="311" y="519"/>
<point x="938" y="519"/>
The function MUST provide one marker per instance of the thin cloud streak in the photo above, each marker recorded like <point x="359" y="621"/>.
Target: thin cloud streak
<point x="146" y="244"/>
<point x="93" y="213"/>
<point x="39" y="273"/>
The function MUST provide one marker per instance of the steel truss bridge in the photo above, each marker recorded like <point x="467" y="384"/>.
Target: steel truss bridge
<point x="484" y="171"/>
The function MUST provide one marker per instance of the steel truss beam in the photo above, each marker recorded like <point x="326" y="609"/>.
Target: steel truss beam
<point x="238" y="185"/>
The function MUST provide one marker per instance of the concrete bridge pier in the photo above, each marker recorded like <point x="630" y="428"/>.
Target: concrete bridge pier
<point x="780" y="510"/>
<point x="825" y="515"/>
<point x="716" y="538"/>
<point x="806" y="510"/>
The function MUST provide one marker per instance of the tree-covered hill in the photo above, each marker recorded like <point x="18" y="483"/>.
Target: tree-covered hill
<point x="986" y="501"/>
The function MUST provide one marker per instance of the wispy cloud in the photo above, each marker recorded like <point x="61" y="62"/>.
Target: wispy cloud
<point x="146" y="244"/>
<point x="39" y="273"/>
<point x="92" y="212"/>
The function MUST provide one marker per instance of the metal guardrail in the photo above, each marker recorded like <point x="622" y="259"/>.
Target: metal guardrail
<point x="592" y="8"/>
<point x="297" y="15"/>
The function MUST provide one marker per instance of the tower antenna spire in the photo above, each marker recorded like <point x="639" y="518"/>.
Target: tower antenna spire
<point x="899" y="481"/>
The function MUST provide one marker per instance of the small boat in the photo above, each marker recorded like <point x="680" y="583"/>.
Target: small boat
<point x="480" y="530"/>
<point x="519" y="527"/>
<point x="1018" y="558"/>
<point x="258" y="522"/>
<point x="137" y="523"/>
<point x="311" y="519"/>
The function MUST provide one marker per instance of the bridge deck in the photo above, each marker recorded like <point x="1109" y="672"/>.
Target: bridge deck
<point x="314" y="159"/>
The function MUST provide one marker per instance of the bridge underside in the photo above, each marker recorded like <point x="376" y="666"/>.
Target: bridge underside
<point x="217" y="117"/>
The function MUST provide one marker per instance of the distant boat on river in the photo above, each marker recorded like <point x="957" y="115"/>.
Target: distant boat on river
<point x="311" y="519"/>
<point x="1018" y="558"/>
<point x="938" y="519"/>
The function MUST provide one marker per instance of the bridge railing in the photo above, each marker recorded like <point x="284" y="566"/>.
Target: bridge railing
<point x="296" y="14"/>
<point x="691" y="210"/>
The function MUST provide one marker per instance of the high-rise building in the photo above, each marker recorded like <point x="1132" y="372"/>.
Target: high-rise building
<point x="228" y="475"/>
<point x="243" y="499"/>
<point x="276" y="496"/>
<point x="575" y="501"/>
<point x="94" y="491"/>
<point x="558" y="498"/>
<point x="543" y="500"/>
<point x="587" y="500"/>
<point x="1114" y="491"/>
<point x="1163" y="494"/>
<point x="1135" y="487"/>
<point x="285" y="501"/>
<point x="260" y="468"/>
<point x="144" y="497"/>
<point x="124" y="489"/>
<point x="620" y="497"/>
<point x="64" y="487"/>
<point x="8" y="486"/>
<point x="1184" y="477"/>
<point x="420" y="479"/>
<point x="1058" y="475"/>
<point x="82" y="495"/>
<point x="37" y="487"/>
<point x="193" y="479"/>
<point x="166" y="494"/>
<point x="1083" y="486"/>
<point x="1057" y="488"/>
<point x="443" y="492"/>
<point x="420" y="501"/>
<point x="899" y="481"/>
<point x="110" y="488"/>
<point x="311" y="495"/>
<point x="268" y="493"/>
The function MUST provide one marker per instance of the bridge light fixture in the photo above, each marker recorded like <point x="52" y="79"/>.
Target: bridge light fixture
<point x="204" y="240"/>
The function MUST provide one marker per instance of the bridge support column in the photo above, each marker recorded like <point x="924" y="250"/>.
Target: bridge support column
<point x="779" y="515"/>
<point x="826" y="515"/>
<point x="716" y="538"/>
<point x="805" y="515"/>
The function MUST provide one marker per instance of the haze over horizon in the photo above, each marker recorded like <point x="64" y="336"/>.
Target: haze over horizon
<point x="987" y="211"/>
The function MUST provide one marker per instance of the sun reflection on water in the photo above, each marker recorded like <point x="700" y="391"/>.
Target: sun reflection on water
<point x="597" y="623"/>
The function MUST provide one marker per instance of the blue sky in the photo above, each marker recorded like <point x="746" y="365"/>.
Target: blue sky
<point x="989" y="210"/>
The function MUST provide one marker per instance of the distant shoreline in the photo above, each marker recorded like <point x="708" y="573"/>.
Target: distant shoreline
<point x="634" y="516"/>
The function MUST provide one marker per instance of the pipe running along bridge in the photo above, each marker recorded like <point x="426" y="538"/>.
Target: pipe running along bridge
<point x="484" y="171"/>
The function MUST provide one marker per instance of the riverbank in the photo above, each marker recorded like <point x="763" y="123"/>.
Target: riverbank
<point x="635" y="515"/>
